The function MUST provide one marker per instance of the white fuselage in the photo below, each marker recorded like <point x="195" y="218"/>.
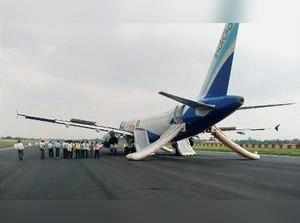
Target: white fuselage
<point x="156" y="125"/>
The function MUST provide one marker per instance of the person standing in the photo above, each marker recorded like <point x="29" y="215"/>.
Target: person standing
<point x="86" y="149"/>
<point x="50" y="149"/>
<point x="82" y="150"/>
<point x="20" y="147"/>
<point x="65" y="150"/>
<point x="77" y="150"/>
<point x="69" y="150"/>
<point x="73" y="149"/>
<point x="42" y="149"/>
<point x="92" y="149"/>
<point x="97" y="148"/>
<point x="57" y="146"/>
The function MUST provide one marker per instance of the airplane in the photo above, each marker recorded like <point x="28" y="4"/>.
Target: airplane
<point x="188" y="118"/>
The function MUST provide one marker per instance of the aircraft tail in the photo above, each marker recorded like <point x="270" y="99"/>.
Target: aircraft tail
<point x="217" y="80"/>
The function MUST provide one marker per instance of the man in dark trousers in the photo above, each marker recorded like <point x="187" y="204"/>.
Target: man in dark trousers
<point x="92" y="145"/>
<point x="65" y="150"/>
<point x="57" y="146"/>
<point x="81" y="156"/>
<point x="20" y="147"/>
<point x="69" y="150"/>
<point x="42" y="149"/>
<point x="97" y="148"/>
<point x="77" y="150"/>
<point x="50" y="149"/>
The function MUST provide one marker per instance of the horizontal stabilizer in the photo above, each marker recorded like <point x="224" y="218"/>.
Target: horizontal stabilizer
<point x="264" y="106"/>
<point x="188" y="102"/>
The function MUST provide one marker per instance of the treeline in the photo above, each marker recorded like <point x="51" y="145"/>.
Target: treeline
<point x="273" y="141"/>
<point x="17" y="138"/>
<point x="36" y="139"/>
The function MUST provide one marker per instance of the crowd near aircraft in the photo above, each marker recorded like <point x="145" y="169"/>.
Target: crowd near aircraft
<point x="189" y="118"/>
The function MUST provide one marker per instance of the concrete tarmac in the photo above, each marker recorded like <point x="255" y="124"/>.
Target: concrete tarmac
<point x="205" y="176"/>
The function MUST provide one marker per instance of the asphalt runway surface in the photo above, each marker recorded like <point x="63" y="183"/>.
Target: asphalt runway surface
<point x="205" y="176"/>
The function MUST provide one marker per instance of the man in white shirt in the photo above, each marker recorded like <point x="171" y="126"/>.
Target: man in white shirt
<point x="69" y="150"/>
<point x="20" y="147"/>
<point x="50" y="149"/>
<point x="42" y="149"/>
<point x="86" y="149"/>
<point x="65" y="150"/>
<point x="57" y="146"/>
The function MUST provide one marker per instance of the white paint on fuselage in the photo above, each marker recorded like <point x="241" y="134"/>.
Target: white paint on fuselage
<point x="157" y="124"/>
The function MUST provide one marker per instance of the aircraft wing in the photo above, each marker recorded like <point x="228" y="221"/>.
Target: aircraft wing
<point x="77" y="123"/>
<point x="264" y="106"/>
<point x="232" y="128"/>
<point x="241" y="131"/>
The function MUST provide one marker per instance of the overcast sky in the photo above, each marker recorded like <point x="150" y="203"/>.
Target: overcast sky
<point x="106" y="60"/>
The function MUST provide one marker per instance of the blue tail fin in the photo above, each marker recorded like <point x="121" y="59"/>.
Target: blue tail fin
<point x="217" y="80"/>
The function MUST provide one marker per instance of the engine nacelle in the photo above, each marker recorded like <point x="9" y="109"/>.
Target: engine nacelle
<point x="110" y="139"/>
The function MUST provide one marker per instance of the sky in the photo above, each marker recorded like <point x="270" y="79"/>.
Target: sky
<point x="106" y="60"/>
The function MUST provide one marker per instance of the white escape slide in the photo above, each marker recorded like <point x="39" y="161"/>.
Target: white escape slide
<point x="151" y="149"/>
<point x="185" y="148"/>
<point x="232" y="145"/>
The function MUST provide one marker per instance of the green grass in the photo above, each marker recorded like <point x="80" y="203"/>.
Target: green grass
<point x="5" y="143"/>
<point x="266" y="151"/>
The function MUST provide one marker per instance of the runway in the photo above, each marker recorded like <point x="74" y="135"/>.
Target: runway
<point x="206" y="176"/>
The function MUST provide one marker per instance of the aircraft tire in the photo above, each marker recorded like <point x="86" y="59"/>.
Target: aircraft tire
<point x="126" y="150"/>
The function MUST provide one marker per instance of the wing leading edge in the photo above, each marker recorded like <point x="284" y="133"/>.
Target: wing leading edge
<point x="264" y="106"/>
<point x="77" y="123"/>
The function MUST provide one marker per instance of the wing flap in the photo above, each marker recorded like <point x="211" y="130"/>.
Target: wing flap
<point x="77" y="123"/>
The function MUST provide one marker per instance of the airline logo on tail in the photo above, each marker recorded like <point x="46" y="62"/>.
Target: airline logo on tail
<point x="223" y="39"/>
<point x="217" y="80"/>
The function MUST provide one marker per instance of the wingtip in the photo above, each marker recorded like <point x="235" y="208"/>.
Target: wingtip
<point x="17" y="113"/>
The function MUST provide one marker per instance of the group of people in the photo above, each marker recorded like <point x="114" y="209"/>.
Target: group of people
<point x="70" y="149"/>
<point x="64" y="149"/>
